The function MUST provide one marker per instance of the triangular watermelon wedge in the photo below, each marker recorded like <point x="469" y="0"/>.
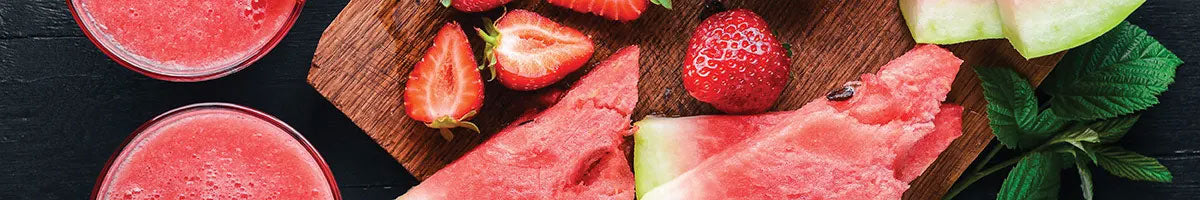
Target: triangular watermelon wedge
<point x="572" y="150"/>
<point x="837" y="149"/>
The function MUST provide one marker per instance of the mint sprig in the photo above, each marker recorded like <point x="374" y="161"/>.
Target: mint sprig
<point x="1094" y="96"/>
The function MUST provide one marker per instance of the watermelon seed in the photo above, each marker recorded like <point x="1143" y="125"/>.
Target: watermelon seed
<point x="844" y="93"/>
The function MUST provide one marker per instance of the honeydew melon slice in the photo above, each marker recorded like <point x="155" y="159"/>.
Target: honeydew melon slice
<point x="1042" y="27"/>
<point x="951" y="21"/>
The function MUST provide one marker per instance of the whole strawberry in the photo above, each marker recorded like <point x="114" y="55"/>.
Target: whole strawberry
<point x="735" y="63"/>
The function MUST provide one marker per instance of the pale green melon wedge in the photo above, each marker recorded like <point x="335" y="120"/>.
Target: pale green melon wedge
<point x="1043" y="27"/>
<point x="951" y="21"/>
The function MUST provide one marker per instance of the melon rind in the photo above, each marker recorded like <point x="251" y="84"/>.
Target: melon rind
<point x="654" y="158"/>
<point x="951" y="21"/>
<point x="1039" y="28"/>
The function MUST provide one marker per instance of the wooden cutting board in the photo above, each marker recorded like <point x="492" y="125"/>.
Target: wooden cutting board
<point x="364" y="56"/>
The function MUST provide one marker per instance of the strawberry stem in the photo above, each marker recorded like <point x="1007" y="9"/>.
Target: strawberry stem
<point x="446" y="123"/>
<point x="446" y="3"/>
<point x="663" y="3"/>
<point x="491" y="38"/>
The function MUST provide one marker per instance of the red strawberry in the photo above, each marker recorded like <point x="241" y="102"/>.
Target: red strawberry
<point x="735" y="63"/>
<point x="444" y="88"/>
<point x="620" y="10"/>
<point x="531" y="52"/>
<point x="474" y="5"/>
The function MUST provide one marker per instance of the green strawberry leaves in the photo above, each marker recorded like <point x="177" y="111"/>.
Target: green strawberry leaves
<point x="1034" y="177"/>
<point x="663" y="3"/>
<point x="446" y="3"/>
<point x="1117" y="74"/>
<point x="1134" y="166"/>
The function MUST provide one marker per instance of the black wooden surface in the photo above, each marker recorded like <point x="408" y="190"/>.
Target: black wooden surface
<point x="65" y="107"/>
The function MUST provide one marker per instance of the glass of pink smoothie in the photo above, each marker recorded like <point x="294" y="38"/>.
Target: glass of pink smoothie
<point x="186" y="41"/>
<point x="215" y="151"/>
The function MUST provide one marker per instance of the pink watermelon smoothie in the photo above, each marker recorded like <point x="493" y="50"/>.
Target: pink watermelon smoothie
<point x="572" y="150"/>
<point x="185" y="40"/>
<point x="836" y="149"/>
<point x="216" y="151"/>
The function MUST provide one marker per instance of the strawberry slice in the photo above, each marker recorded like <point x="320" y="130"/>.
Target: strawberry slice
<point x="530" y="51"/>
<point x="444" y="88"/>
<point x="620" y="10"/>
<point x="474" y="5"/>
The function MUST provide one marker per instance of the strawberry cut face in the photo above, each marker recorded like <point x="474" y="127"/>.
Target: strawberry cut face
<point x="531" y="51"/>
<point x="444" y="88"/>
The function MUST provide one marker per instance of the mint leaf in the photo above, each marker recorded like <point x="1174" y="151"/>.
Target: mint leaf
<point x="1085" y="178"/>
<point x="1113" y="129"/>
<point x="1130" y="165"/>
<point x="1118" y="73"/>
<point x="663" y="3"/>
<point x="1012" y="109"/>
<point x="1034" y="177"/>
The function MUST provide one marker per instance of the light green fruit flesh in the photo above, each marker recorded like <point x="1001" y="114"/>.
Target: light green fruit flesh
<point x="1039" y="28"/>
<point x="951" y="21"/>
<point x="653" y="153"/>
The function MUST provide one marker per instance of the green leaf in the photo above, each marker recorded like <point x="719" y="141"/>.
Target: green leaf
<point x="1119" y="73"/>
<point x="1113" y="129"/>
<point x="1013" y="109"/>
<point x="1034" y="177"/>
<point x="1077" y="137"/>
<point x="1134" y="166"/>
<point x="446" y="3"/>
<point x="1085" y="178"/>
<point x="663" y="3"/>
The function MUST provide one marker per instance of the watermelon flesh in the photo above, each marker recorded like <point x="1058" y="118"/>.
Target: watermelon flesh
<point x="837" y="149"/>
<point x="572" y="150"/>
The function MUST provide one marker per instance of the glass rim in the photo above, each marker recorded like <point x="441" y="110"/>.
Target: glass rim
<point x="108" y="166"/>
<point x="215" y="73"/>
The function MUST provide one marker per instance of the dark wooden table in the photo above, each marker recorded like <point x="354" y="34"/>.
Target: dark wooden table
<point x="65" y="107"/>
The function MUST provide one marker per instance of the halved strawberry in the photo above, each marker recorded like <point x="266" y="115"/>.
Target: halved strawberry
<point x="444" y="88"/>
<point x="530" y="51"/>
<point x="474" y="5"/>
<point x="620" y="10"/>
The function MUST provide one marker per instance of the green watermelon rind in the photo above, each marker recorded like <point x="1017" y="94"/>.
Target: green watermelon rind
<point x="1088" y="26"/>
<point x="951" y="21"/>
<point x="653" y="141"/>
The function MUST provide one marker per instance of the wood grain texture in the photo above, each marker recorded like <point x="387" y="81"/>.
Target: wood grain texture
<point x="364" y="55"/>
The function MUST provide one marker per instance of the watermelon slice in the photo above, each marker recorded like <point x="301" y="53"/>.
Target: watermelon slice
<point x="836" y="149"/>
<point x="572" y="150"/>
<point x="1044" y="27"/>
<point x="1034" y="27"/>
<point x="951" y="21"/>
<point x="667" y="147"/>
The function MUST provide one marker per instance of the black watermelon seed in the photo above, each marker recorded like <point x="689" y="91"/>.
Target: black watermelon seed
<point x="841" y="94"/>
